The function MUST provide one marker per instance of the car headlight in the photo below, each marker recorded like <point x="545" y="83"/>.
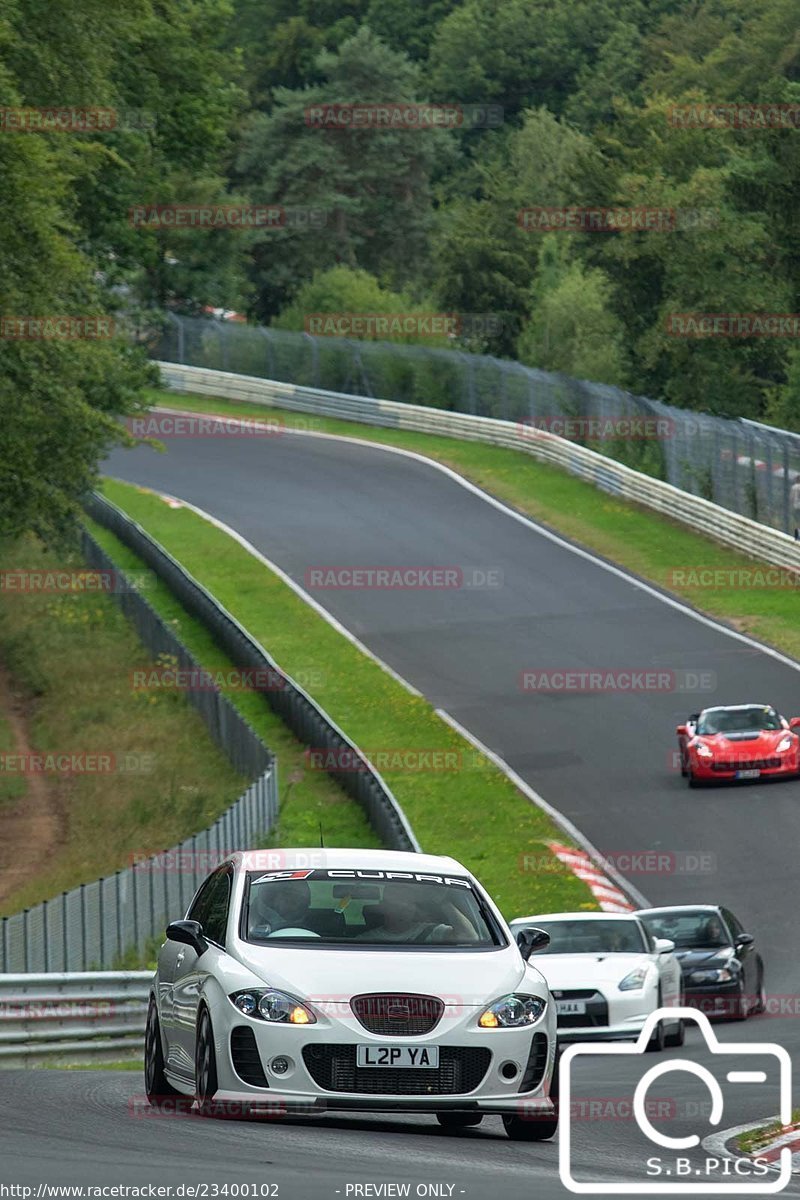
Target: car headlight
<point x="512" y="1012"/>
<point x="785" y="744"/>
<point x="703" y="750"/>
<point x="719" y="975"/>
<point x="273" y="1006"/>
<point x="634" y="981"/>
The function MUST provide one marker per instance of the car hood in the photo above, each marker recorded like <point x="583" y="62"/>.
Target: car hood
<point x="469" y="978"/>
<point x="714" y="957"/>
<point x="568" y="971"/>
<point x="765" y="739"/>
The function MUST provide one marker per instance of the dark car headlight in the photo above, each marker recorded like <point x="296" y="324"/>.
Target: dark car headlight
<point x="712" y="975"/>
<point x="512" y="1012"/>
<point x="268" y="1004"/>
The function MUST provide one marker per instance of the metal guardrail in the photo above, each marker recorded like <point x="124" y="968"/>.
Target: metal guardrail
<point x="703" y="516"/>
<point x="740" y="465"/>
<point x="79" y="1016"/>
<point x="95" y="924"/>
<point x="307" y="720"/>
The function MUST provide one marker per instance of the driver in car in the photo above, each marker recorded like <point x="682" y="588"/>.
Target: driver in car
<point x="403" y="921"/>
<point x="275" y="906"/>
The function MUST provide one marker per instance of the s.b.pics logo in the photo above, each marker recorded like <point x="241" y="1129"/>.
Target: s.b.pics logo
<point x="672" y="1157"/>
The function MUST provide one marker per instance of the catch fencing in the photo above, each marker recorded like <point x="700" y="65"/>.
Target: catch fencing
<point x="95" y="925"/>
<point x="740" y="465"/>
<point x="702" y="516"/>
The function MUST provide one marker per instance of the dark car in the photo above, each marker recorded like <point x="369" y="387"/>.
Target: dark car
<point x="723" y="973"/>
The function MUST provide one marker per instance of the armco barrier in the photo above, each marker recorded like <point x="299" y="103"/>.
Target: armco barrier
<point x="80" y="1016"/>
<point x="307" y="720"/>
<point x="748" y="536"/>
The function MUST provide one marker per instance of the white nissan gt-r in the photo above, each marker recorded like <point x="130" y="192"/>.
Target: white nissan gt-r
<point x="364" y="980"/>
<point x="607" y="974"/>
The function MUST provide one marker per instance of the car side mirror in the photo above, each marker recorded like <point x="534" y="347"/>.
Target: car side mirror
<point x="664" y="946"/>
<point x="190" y="933"/>
<point x="681" y="731"/>
<point x="794" y="722"/>
<point x="532" y="939"/>
<point x="744" y="939"/>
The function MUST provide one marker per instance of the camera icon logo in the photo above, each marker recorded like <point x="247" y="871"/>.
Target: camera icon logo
<point x="689" y="1177"/>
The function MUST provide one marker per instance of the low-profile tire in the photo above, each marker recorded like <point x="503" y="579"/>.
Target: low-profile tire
<point x="155" y="1081"/>
<point x="542" y="1128"/>
<point x="458" y="1120"/>
<point x="205" y="1066"/>
<point x="678" y="1035"/>
<point x="760" y="1005"/>
<point x="690" y="779"/>
<point x="741" y="1004"/>
<point x="658" y="1040"/>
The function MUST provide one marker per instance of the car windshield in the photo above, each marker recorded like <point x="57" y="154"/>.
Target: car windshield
<point x="592" y="937"/>
<point x="366" y="908"/>
<point x="738" y="720"/>
<point x="694" y="929"/>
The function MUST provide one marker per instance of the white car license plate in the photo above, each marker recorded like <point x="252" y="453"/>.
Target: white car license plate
<point x="397" y="1056"/>
<point x="570" y="1008"/>
<point x="752" y="774"/>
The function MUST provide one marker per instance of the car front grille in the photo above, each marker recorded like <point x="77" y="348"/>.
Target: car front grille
<point x="245" y="1057"/>
<point x="397" y="1014"/>
<point x="537" y="1063"/>
<point x="755" y="764"/>
<point x="596" y="1009"/>
<point x="461" y="1069"/>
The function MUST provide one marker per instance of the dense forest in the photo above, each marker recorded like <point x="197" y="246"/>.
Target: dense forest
<point x="599" y="104"/>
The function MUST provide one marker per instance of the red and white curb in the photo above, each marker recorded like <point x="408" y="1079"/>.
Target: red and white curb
<point x="608" y="895"/>
<point x="719" y="1145"/>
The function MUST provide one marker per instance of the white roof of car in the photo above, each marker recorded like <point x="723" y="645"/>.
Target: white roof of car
<point x="574" y="916"/>
<point x="733" y="707"/>
<point x="677" y="908"/>
<point x="314" y="857"/>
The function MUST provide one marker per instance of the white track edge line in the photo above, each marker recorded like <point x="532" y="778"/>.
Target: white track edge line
<point x="627" y="889"/>
<point x="501" y="506"/>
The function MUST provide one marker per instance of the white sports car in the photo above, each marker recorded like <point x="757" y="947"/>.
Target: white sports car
<point x="607" y="974"/>
<point x="363" y="980"/>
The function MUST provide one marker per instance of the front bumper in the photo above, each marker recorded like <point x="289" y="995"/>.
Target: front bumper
<point x="704" y="772"/>
<point x="713" y="999"/>
<point x="317" y="1071"/>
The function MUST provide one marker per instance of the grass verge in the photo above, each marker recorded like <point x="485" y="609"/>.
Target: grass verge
<point x="756" y="1139"/>
<point x="470" y="810"/>
<point x="70" y="654"/>
<point x="653" y="547"/>
<point x="309" y="799"/>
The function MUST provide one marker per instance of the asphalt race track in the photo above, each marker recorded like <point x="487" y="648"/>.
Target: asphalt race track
<point x="605" y="761"/>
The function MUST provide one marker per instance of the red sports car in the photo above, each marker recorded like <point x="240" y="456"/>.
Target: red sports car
<point x="738" y="741"/>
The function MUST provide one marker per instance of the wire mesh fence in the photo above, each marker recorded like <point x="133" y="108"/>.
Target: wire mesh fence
<point x="93" y="926"/>
<point x="741" y="465"/>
